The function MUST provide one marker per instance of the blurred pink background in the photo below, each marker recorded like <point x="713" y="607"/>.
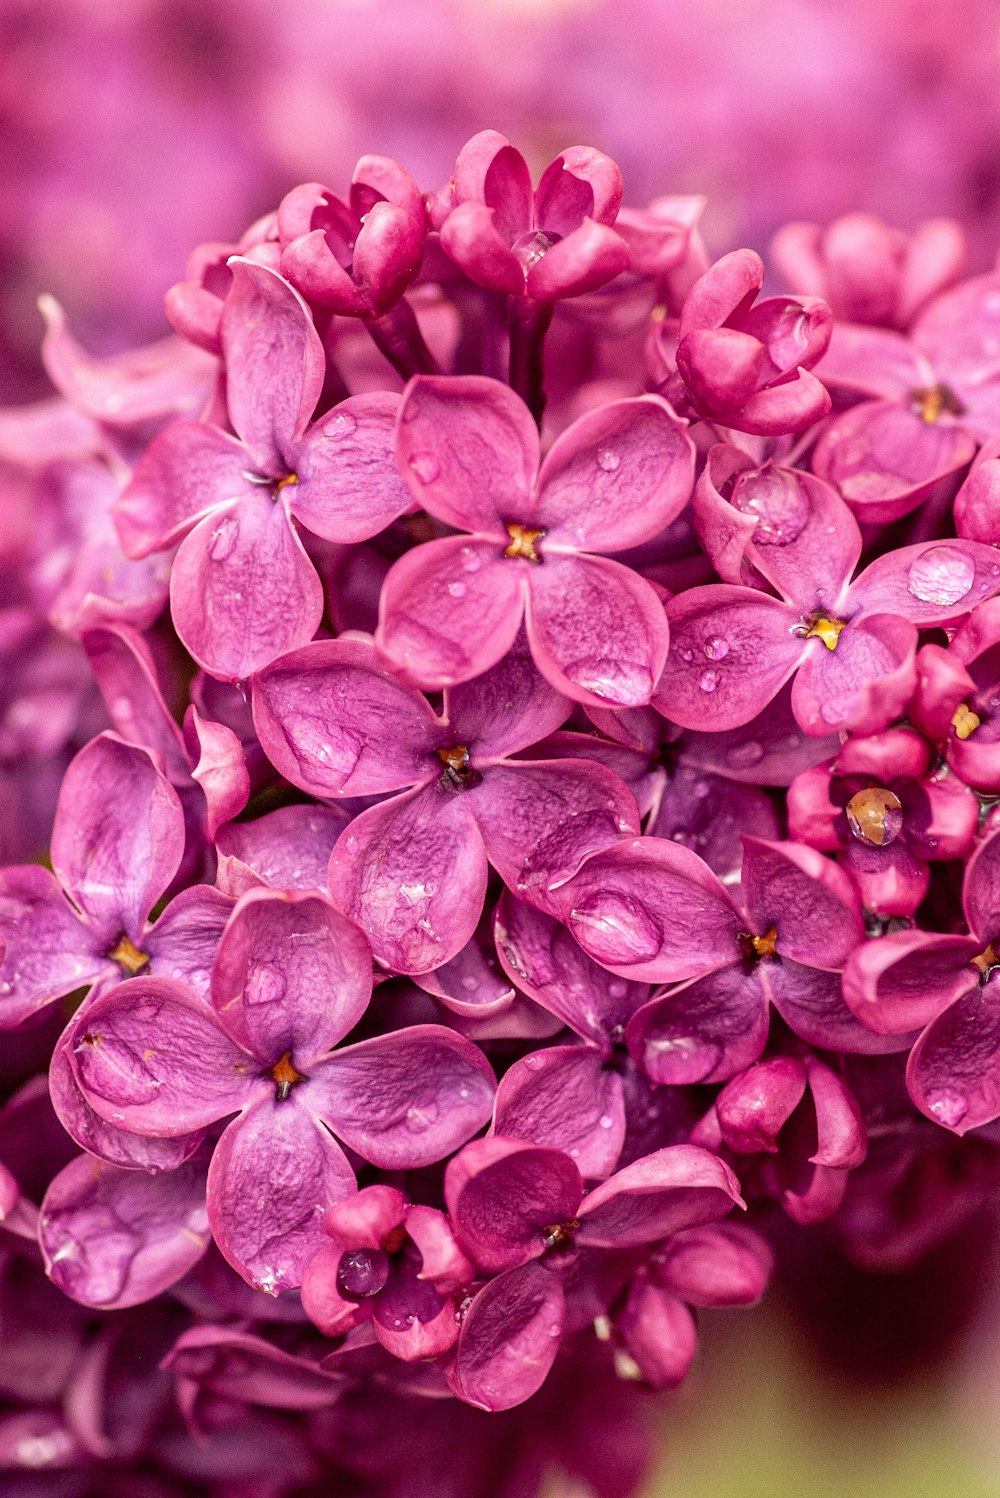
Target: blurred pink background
<point x="130" y="130"/>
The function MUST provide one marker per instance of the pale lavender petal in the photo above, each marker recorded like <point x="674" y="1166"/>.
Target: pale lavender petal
<point x="678" y="1187"/>
<point x="335" y="722"/>
<point x="113" y="1238"/>
<point x="150" y="1058"/>
<point x="468" y="449"/>
<point x="566" y="1098"/>
<point x="506" y="709"/>
<point x="652" y="911"/>
<point x="953" y="1073"/>
<point x="186" y="472"/>
<point x="505" y="1196"/>
<point x="450" y="610"/>
<point x="274" y="362"/>
<point x="273" y="1174"/>
<point x="541" y="820"/>
<point x="349" y="487"/>
<point x="704" y="1031"/>
<point x="411" y="873"/>
<point x="813" y="905"/>
<point x="242" y="589"/>
<point x="183" y="941"/>
<point x="615" y="478"/>
<point x="287" y="849"/>
<point x="291" y="974"/>
<point x="510" y="1338"/>
<point x="544" y="961"/>
<point x="405" y="1099"/>
<point x="597" y="629"/>
<point x="730" y="651"/>
<point x="45" y="949"/>
<point x="118" y="835"/>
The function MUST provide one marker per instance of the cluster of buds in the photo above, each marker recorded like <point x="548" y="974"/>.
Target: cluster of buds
<point x="522" y="705"/>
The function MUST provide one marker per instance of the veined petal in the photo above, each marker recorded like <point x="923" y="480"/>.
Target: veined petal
<point x="565" y="1098"/>
<point x="928" y="584"/>
<point x="678" y="1187"/>
<point x="863" y="684"/>
<point x="503" y="1194"/>
<point x="702" y="1031"/>
<point x="903" y="980"/>
<point x="349" y="487"/>
<point x="510" y="1338"/>
<point x="810" y="901"/>
<point x="405" y="1099"/>
<point x="981" y="892"/>
<point x="183" y="941"/>
<point x="506" y="709"/>
<point x="45" y="949"/>
<point x="886" y="460"/>
<point x="287" y="849"/>
<point x="273" y="1174"/>
<point x="812" y="1004"/>
<point x="588" y="257"/>
<point x="953" y="1073"/>
<point x="186" y="472"/>
<point x="243" y="590"/>
<point x="597" y="630"/>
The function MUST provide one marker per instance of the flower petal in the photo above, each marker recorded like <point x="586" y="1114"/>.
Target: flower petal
<point x="565" y="1098"/>
<point x="349" y="487"/>
<point x="287" y="849"/>
<point x="931" y="583"/>
<point x="953" y="1073"/>
<point x="863" y="684"/>
<point x="184" y="474"/>
<point x="703" y="1031"/>
<point x="509" y="1338"/>
<point x="903" y="980"/>
<point x="811" y="902"/>
<point x="503" y="1195"/>
<point x="677" y="1187"/>
<point x="506" y="709"/>
<point x="45" y="949"/>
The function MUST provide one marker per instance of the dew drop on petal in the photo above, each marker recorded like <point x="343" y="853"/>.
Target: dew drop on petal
<point x="341" y="425"/>
<point x="743" y="756"/>
<point x="709" y="680"/>
<point x="470" y="559"/>
<point x="456" y="590"/>
<point x="224" y="538"/>
<point x="949" y="1108"/>
<point x="779" y="501"/>
<point x="941" y="575"/>
<point x="716" y="648"/>
<point x="687" y="656"/>
<point x="875" y="816"/>
<point x="605" y="1121"/>
<point x="425" y="466"/>
<point x="617" y="988"/>
<point x="608" y="459"/>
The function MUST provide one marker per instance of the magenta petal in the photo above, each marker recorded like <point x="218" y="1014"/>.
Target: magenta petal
<point x="981" y="893"/>
<point x="410" y="1317"/>
<point x="754" y="1107"/>
<point x="469" y="984"/>
<point x="597" y="630"/>
<point x="566" y="1098"/>
<point x="126" y="674"/>
<point x="506" y="709"/>
<point x="616" y="477"/>
<point x="242" y="589"/>
<point x="219" y="767"/>
<point x="118" y="835"/>
<point x="541" y="820"/>
<point x="863" y="684"/>
<point x="953" y="1073"/>
<point x="659" y="1334"/>
<point x="97" y="1137"/>
<point x="183" y="942"/>
<point x="730" y="651"/>
<point x="932" y="583"/>
<point x="274" y="362"/>
<point x="468" y="449"/>
<point x="405" y="1099"/>
<point x="450" y="610"/>
<point x="187" y="471"/>
<point x="335" y="722"/>
<point x="321" y="1300"/>
<point x="291" y="974"/>
<point x="653" y="911"/>
<point x="872" y="361"/>
<point x="510" y="1338"/>
<point x="349" y="487"/>
<point x="812" y="1004"/>
<point x="726" y="1265"/>
<point x="905" y="979"/>
<point x="45" y="949"/>
<point x="885" y="459"/>
<point x="114" y="1238"/>
<point x="236" y="1365"/>
<point x="678" y="1187"/>
<point x="288" y="849"/>
<point x="704" y="1031"/>
<point x="544" y="961"/>
<point x="150" y="1057"/>
<point x="411" y="872"/>
<point x="387" y="254"/>
<point x="505" y="1197"/>
<point x="364" y="1219"/>
<point x="273" y="1174"/>
<point x="470" y="236"/>
<point x="841" y="1140"/>
<point x="811" y="902"/>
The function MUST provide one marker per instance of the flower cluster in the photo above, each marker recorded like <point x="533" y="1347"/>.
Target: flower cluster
<point x="525" y="701"/>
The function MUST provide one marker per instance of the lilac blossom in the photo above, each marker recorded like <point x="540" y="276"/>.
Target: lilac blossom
<point x="957" y="697"/>
<point x="452" y="608"/>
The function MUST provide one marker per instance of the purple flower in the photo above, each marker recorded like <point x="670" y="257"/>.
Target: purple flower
<point x="957" y="701"/>
<point x="411" y="870"/>
<point x="290" y="979"/>
<point x="452" y="608"/>
<point x="653" y="911"/>
<point x="942" y="986"/>
<point x="242" y="587"/>
<point x="550" y="242"/>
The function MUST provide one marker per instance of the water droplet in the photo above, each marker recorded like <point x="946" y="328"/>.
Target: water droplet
<point x="530" y="247"/>
<point x="425" y="466"/>
<point x="457" y="590"/>
<point x="716" y="648"/>
<point x="875" y="816"/>
<point x="941" y="575"/>
<point x="224" y="538"/>
<point x="617" y="988"/>
<point x="341" y="425"/>
<point x="608" y="459"/>
<point x="709" y="680"/>
<point x="471" y="561"/>
<point x="605" y="1121"/>
<point x="778" y="499"/>
<point x="742" y="756"/>
<point x="701" y="790"/>
<point x="687" y="656"/>
<point x="949" y="1108"/>
<point x="6" y="987"/>
<point x="463" y="1092"/>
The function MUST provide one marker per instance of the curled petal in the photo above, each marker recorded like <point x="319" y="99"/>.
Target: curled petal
<point x="243" y="590"/>
<point x="405" y="1099"/>
<point x="678" y="1187"/>
<point x="755" y="1106"/>
<point x="903" y="980"/>
<point x="953" y="1073"/>
<point x="505" y="1197"/>
<point x="659" y="1332"/>
<point x="237" y="1365"/>
<point x="273" y="1174"/>
<point x="471" y="236"/>
<point x="810" y="901"/>
<point x="113" y="1238"/>
<point x="841" y="1140"/>
<point x="723" y="1265"/>
<point x="219" y="766"/>
<point x="588" y="257"/>
<point x="981" y="893"/>
<point x="580" y="181"/>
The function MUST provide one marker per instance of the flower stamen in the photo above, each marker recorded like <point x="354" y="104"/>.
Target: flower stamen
<point x="128" y="957"/>
<point x="964" y="721"/>
<point x="823" y="627"/>
<point x="522" y="542"/>
<point x="285" y="1076"/>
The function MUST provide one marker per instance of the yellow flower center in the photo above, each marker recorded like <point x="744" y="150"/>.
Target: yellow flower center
<point x="285" y="1076"/>
<point x="964" y="721"/>
<point x="128" y="957"/>
<point x="986" y="961"/>
<point x="522" y="542"/>
<point x="822" y="627"/>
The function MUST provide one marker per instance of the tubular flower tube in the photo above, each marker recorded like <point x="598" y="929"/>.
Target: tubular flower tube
<point x="493" y="720"/>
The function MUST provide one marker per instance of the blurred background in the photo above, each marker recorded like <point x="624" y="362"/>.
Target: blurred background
<point x="131" y="130"/>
